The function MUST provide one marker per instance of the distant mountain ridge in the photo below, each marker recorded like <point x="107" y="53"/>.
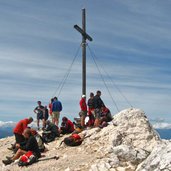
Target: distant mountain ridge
<point x="6" y="129"/>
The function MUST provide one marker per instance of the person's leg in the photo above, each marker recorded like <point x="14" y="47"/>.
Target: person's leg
<point x="38" y="120"/>
<point x="56" y="118"/>
<point x="44" y="123"/>
<point x="19" y="138"/>
<point x="53" y="117"/>
<point x="18" y="154"/>
<point x="83" y="121"/>
<point x="97" y="118"/>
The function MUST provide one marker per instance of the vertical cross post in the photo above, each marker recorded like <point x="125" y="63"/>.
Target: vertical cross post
<point x="84" y="52"/>
<point x="84" y="37"/>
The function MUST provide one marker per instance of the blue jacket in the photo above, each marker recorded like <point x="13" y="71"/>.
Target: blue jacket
<point x="56" y="106"/>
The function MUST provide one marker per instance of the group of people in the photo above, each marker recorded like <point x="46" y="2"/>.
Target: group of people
<point x="95" y="109"/>
<point x="55" y="107"/>
<point x="99" y="115"/>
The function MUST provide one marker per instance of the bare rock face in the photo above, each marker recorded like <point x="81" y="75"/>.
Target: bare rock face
<point x="129" y="143"/>
<point x="159" y="159"/>
<point x="125" y="143"/>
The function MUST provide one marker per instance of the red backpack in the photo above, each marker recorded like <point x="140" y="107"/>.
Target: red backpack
<point x="27" y="159"/>
<point x="73" y="140"/>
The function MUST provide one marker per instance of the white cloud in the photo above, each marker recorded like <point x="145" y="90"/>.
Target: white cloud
<point x="7" y="124"/>
<point x="162" y="125"/>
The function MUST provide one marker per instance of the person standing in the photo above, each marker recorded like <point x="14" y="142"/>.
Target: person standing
<point x="91" y="112"/>
<point x="50" y="107"/>
<point x="45" y="116"/>
<point x="98" y="103"/>
<point x="83" y="112"/>
<point x="39" y="110"/>
<point x="56" y="109"/>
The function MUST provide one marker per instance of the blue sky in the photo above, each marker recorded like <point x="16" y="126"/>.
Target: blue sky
<point x="131" y="40"/>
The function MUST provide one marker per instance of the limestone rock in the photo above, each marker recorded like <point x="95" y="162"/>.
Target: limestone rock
<point x="122" y="146"/>
<point x="159" y="159"/>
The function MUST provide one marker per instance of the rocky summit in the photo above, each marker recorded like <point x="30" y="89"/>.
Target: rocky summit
<point x="128" y="143"/>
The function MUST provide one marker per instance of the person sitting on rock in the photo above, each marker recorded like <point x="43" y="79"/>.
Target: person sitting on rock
<point x="30" y="145"/>
<point x="50" y="132"/>
<point x="105" y="116"/>
<point x="66" y="126"/>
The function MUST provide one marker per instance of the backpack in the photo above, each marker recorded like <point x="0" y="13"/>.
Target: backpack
<point x="40" y="142"/>
<point x="73" y="140"/>
<point x="27" y="159"/>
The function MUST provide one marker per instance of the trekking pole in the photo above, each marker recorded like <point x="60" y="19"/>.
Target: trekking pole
<point x="49" y="158"/>
<point x="61" y="143"/>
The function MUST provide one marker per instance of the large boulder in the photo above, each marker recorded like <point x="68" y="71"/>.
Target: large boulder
<point x="124" y="144"/>
<point x="159" y="159"/>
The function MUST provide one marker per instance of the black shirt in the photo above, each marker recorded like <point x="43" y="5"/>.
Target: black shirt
<point x="39" y="109"/>
<point x="98" y="103"/>
<point x="31" y="145"/>
<point x="91" y="103"/>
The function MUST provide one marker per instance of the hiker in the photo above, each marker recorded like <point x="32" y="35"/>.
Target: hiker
<point x="39" y="110"/>
<point x="45" y="116"/>
<point x="66" y="126"/>
<point x="50" y="132"/>
<point x="98" y="103"/>
<point x="39" y="139"/>
<point x="56" y="109"/>
<point x="73" y="140"/>
<point x="91" y="112"/>
<point x="19" y="129"/>
<point x="105" y="117"/>
<point x="50" y="107"/>
<point x="83" y="112"/>
<point x="30" y="145"/>
<point x="105" y="114"/>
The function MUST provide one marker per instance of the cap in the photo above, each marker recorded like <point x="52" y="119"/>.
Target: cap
<point x="83" y="95"/>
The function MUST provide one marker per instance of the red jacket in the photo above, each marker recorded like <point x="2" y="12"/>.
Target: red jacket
<point x="83" y="105"/>
<point x="70" y="126"/>
<point x="21" y="126"/>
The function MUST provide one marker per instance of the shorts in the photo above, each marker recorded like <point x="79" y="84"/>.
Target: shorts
<point x="39" y="116"/>
<point x="19" y="138"/>
<point x="83" y="113"/>
<point x="55" y="115"/>
<point x="97" y="113"/>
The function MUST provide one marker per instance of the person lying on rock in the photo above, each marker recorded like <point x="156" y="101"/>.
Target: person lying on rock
<point x="30" y="145"/>
<point x="67" y="126"/>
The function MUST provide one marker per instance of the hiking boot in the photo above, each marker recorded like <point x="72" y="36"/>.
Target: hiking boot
<point x="9" y="158"/>
<point x="10" y="148"/>
<point x="7" y="162"/>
